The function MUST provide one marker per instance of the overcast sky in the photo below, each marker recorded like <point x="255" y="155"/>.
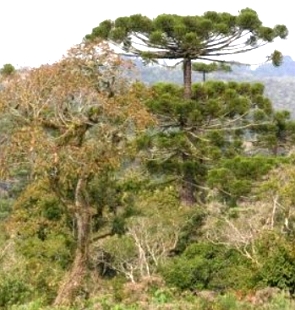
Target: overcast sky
<point x="35" y="32"/>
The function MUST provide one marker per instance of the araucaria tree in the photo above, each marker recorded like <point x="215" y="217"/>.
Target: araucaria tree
<point x="211" y="67"/>
<point x="193" y="135"/>
<point x="210" y="37"/>
<point x="69" y="125"/>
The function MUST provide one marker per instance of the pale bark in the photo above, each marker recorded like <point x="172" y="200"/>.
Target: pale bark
<point x="74" y="279"/>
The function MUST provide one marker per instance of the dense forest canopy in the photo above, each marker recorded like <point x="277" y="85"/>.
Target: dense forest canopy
<point x="164" y="192"/>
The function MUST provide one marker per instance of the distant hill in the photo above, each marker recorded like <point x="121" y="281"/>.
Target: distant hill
<point x="286" y="69"/>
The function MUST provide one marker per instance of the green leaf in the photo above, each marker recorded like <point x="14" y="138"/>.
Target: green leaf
<point x="248" y="20"/>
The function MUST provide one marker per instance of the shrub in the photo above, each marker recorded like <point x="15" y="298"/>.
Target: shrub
<point x="208" y="266"/>
<point x="278" y="262"/>
<point x="14" y="290"/>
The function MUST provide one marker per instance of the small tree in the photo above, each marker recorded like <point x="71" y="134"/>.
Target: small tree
<point x="212" y="67"/>
<point x="7" y="70"/>
<point x="212" y="36"/>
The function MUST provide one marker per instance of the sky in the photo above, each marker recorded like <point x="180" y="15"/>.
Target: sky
<point x="36" y="32"/>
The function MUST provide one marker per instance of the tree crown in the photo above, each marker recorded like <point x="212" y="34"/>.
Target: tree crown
<point x="206" y="37"/>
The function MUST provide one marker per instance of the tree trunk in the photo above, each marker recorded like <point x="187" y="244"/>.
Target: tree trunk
<point x="187" y="78"/>
<point x="204" y="76"/>
<point x="187" y="188"/>
<point x="74" y="279"/>
<point x="187" y="192"/>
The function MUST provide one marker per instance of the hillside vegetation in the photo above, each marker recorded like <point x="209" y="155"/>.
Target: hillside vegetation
<point x="122" y="188"/>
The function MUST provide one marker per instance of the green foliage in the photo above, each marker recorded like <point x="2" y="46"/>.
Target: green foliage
<point x="105" y="193"/>
<point x="40" y="212"/>
<point x="211" y="67"/>
<point x="191" y="230"/>
<point x="207" y="266"/>
<point x="281" y="301"/>
<point x="235" y="178"/>
<point x="162" y="296"/>
<point x="5" y="207"/>
<point x="122" y="249"/>
<point x="279" y="135"/>
<point x="276" y="58"/>
<point x="169" y="299"/>
<point x="46" y="262"/>
<point x="193" y="36"/>
<point x="113" y="193"/>
<point x="191" y="136"/>
<point x="185" y="274"/>
<point x="55" y="249"/>
<point x="34" y="305"/>
<point x="7" y="70"/>
<point x="278" y="262"/>
<point x="227" y="302"/>
<point x="42" y="238"/>
<point x="14" y="290"/>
